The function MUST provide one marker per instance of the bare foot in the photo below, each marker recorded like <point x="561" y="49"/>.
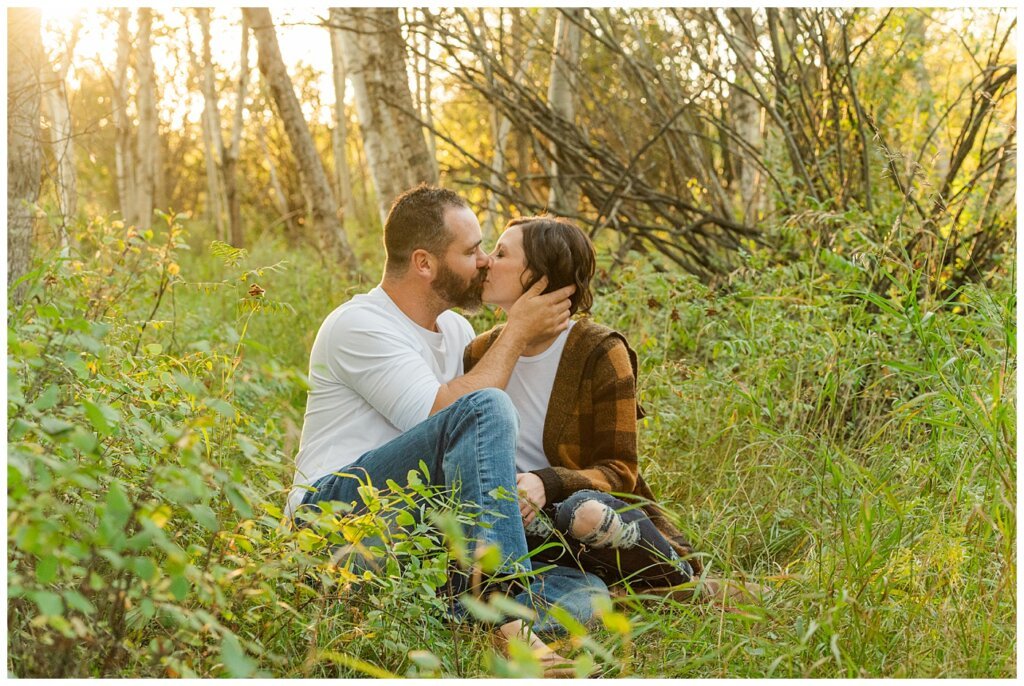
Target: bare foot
<point x="555" y="666"/>
<point x="727" y="594"/>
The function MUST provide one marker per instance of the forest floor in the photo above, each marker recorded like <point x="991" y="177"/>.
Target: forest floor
<point x="850" y="447"/>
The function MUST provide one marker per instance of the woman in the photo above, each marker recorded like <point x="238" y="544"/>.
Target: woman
<point x="576" y="397"/>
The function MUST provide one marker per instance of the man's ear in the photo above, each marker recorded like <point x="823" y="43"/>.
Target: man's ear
<point x="423" y="263"/>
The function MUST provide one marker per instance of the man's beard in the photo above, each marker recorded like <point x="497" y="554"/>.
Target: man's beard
<point x="457" y="292"/>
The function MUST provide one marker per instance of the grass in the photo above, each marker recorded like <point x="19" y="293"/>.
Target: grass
<point x="852" y="450"/>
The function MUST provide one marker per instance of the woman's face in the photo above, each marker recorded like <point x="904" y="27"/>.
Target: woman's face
<point x="504" y="282"/>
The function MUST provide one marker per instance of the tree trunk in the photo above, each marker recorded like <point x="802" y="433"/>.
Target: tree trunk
<point x="501" y="127"/>
<point x="147" y="136"/>
<point x="392" y="137"/>
<point x="212" y="141"/>
<point x="564" y="194"/>
<point x="326" y="223"/>
<point x="123" y="156"/>
<point x="61" y="131"/>
<point x="231" y="153"/>
<point x="24" y="155"/>
<point x="65" y="179"/>
<point x="339" y="137"/>
<point x="424" y="96"/>
<point x="746" y="115"/>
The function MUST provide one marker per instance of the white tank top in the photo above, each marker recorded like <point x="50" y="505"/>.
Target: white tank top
<point x="530" y="389"/>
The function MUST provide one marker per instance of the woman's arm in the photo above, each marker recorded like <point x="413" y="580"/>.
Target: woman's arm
<point x="607" y="439"/>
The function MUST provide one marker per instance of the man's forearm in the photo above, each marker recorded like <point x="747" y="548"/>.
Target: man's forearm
<point x="492" y="371"/>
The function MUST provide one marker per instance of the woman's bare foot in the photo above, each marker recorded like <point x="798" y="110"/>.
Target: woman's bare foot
<point x="727" y="594"/>
<point x="722" y="593"/>
<point x="555" y="666"/>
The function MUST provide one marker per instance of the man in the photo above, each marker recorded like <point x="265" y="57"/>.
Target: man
<point x="387" y="388"/>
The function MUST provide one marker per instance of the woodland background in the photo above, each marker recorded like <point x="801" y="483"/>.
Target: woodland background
<point x="805" y="222"/>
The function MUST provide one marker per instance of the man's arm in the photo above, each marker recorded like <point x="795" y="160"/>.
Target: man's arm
<point x="534" y="316"/>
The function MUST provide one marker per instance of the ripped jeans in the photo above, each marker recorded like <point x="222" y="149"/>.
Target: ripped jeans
<point x="614" y="540"/>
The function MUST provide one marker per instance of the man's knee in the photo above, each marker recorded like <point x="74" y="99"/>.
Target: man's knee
<point x="494" y="405"/>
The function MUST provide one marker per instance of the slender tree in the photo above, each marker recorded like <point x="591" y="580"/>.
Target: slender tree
<point x="746" y="116"/>
<point x="58" y="110"/>
<point x="564" y="196"/>
<point x="326" y="222"/>
<point x="24" y="155"/>
<point x="339" y="136"/>
<point x="124" y="157"/>
<point x="212" y="140"/>
<point x="232" y="151"/>
<point x="147" y="137"/>
<point x="374" y="54"/>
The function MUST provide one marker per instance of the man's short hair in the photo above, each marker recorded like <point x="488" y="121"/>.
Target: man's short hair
<point x="416" y="221"/>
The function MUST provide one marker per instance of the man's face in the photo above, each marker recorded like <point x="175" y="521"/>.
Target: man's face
<point x="463" y="268"/>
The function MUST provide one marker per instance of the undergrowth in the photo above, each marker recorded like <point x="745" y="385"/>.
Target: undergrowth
<point x="849" y="445"/>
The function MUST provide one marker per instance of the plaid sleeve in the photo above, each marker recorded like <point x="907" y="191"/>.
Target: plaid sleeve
<point x="477" y="347"/>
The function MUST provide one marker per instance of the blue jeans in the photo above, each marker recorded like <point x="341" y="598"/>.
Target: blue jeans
<point x="469" y="446"/>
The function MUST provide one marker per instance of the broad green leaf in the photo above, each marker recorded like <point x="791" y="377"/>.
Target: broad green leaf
<point x="49" y="603"/>
<point x="54" y="426"/>
<point x="48" y="398"/>
<point x="46" y="569"/>
<point x="480" y="610"/>
<point x="118" y="506"/>
<point x="145" y="568"/>
<point x="77" y="601"/>
<point x="85" y="441"/>
<point x="236" y="662"/>
<point x="97" y="418"/>
<point x="404" y="518"/>
<point x="179" y="587"/>
<point x="205" y="516"/>
<point x="222" y="407"/>
<point x="510" y="607"/>
<point x="236" y="498"/>
<point x="490" y="559"/>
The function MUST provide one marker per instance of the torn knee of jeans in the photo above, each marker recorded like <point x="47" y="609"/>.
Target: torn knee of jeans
<point x="598" y="526"/>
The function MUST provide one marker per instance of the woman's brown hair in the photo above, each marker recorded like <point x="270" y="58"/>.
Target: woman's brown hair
<point x="558" y="249"/>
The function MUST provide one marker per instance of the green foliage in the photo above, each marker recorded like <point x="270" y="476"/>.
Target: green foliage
<point x="856" y="450"/>
<point x="848" y="444"/>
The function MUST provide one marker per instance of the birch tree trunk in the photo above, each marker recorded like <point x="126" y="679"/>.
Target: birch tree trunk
<point x="146" y="137"/>
<point x="56" y="101"/>
<point x="326" y="223"/>
<point x="339" y="137"/>
<point x="393" y="139"/>
<point x="501" y="127"/>
<point x="746" y="114"/>
<point x="424" y="96"/>
<point x="232" y="151"/>
<point x="24" y="155"/>
<point x="124" y="161"/>
<point x="212" y="141"/>
<point x="564" y="195"/>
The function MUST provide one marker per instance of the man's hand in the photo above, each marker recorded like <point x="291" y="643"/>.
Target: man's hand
<point x="535" y="317"/>
<point x="531" y="495"/>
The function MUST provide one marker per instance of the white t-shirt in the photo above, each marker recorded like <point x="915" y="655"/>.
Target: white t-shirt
<point x="530" y="389"/>
<point x="373" y="374"/>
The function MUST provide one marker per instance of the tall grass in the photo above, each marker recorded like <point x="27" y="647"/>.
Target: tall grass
<point x="850" y="447"/>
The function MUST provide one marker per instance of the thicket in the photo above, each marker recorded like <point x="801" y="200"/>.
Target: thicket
<point x="849" y="445"/>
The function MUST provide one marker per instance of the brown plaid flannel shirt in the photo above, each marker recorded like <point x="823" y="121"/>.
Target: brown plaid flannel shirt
<point x="590" y="428"/>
